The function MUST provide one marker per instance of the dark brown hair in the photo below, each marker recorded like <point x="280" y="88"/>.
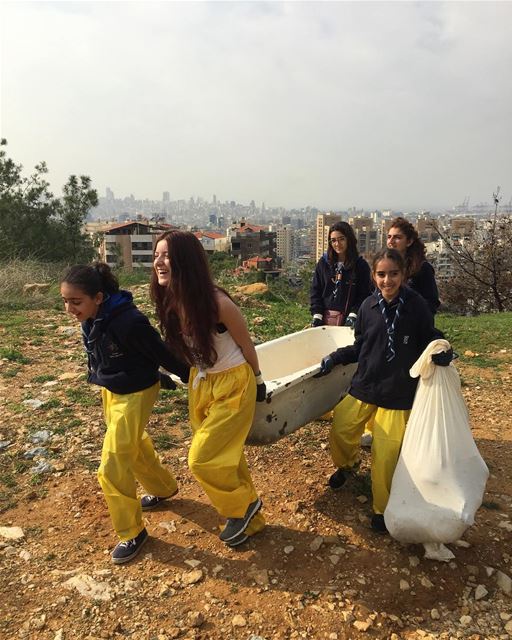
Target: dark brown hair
<point x="352" y="252"/>
<point x="187" y="307"/>
<point x="92" y="278"/>
<point x="389" y="254"/>
<point x="415" y="253"/>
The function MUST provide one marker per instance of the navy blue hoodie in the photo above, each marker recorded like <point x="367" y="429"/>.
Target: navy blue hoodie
<point x="124" y="351"/>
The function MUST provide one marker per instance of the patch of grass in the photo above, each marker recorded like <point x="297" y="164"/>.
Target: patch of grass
<point x="162" y="409"/>
<point x="44" y="378"/>
<point x="164" y="441"/>
<point x="82" y="396"/>
<point x="8" y="480"/>
<point x="54" y="403"/>
<point x="11" y="373"/>
<point x="13" y="355"/>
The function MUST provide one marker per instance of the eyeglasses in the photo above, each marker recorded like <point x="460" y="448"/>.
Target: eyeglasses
<point x="337" y="240"/>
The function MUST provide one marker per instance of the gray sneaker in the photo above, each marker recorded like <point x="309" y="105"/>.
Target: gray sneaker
<point x="149" y="502"/>
<point x="235" y="526"/>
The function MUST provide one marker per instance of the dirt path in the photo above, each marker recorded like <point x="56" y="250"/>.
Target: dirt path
<point x="317" y="571"/>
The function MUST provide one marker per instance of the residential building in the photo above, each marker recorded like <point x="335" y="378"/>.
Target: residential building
<point x="284" y="241"/>
<point x="323" y="222"/>
<point x="248" y="240"/>
<point x="212" y="241"/>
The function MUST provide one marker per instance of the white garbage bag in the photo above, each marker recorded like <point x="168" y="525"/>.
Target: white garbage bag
<point x="440" y="477"/>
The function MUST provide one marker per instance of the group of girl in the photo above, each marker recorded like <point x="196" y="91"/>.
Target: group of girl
<point x="207" y="344"/>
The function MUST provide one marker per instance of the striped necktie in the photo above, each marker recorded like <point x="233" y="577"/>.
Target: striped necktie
<point x="390" y="325"/>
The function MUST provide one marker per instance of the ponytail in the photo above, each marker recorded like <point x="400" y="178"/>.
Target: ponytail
<point x="92" y="279"/>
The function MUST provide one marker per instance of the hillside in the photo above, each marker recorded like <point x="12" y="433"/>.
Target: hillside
<point x="317" y="571"/>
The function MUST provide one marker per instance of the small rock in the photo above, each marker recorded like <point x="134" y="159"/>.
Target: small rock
<point x="504" y="582"/>
<point x="361" y="625"/>
<point x="40" y="437"/>
<point x="89" y="588"/>
<point x="238" y="621"/>
<point x="25" y="555"/>
<point x="195" y="619"/>
<point x="462" y="543"/>
<point x="4" y="444"/>
<point x="334" y="559"/>
<point x="489" y="571"/>
<point x="316" y="543"/>
<point x="59" y="634"/>
<point x="41" y="467"/>
<point x="33" y="403"/>
<point x="68" y="375"/>
<point x="192" y="577"/>
<point x="288" y="549"/>
<point x="193" y="563"/>
<point x="434" y="614"/>
<point x="508" y="627"/>
<point x="36" y="451"/>
<point x="480" y="592"/>
<point x="12" y="533"/>
<point x="505" y="616"/>
<point x="404" y="585"/>
<point x="414" y="561"/>
<point x="465" y="620"/>
<point x="362" y="499"/>
<point x="426" y="583"/>
<point x="169" y="526"/>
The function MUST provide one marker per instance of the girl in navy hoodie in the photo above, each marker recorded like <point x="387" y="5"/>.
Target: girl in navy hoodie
<point x="124" y="354"/>
<point x="393" y="327"/>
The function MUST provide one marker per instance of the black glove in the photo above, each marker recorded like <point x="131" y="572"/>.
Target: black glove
<point x="316" y="322"/>
<point x="166" y="382"/>
<point x="261" y="392"/>
<point x="444" y="358"/>
<point x="185" y="375"/>
<point x="326" y="366"/>
<point x="350" y="320"/>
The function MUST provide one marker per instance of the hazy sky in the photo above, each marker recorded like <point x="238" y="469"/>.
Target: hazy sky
<point x="329" y="104"/>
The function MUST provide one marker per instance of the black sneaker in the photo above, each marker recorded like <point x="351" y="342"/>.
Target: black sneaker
<point x="238" y="540"/>
<point x="149" y="502"/>
<point x="128" y="549"/>
<point x="338" y="479"/>
<point x="235" y="526"/>
<point x="377" y="523"/>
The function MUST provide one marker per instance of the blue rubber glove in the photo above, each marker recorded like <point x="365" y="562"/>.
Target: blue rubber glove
<point x="326" y="366"/>
<point x="350" y="320"/>
<point x="444" y="358"/>
<point x="316" y="322"/>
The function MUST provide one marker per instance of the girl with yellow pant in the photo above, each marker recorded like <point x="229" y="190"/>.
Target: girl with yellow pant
<point x="124" y="353"/>
<point x="202" y="324"/>
<point x="393" y="327"/>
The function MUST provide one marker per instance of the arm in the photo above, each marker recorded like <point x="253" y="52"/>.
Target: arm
<point x="231" y="317"/>
<point x="146" y="339"/>
<point x="424" y="282"/>
<point x="316" y="291"/>
<point x="364" y="285"/>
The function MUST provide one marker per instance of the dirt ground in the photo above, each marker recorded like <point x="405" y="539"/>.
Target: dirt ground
<point x="317" y="571"/>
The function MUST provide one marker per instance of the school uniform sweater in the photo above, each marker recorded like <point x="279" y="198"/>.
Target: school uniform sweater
<point x="377" y="381"/>
<point x="323" y="286"/>
<point x="124" y="351"/>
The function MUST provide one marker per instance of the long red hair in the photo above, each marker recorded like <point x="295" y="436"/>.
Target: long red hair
<point x="187" y="308"/>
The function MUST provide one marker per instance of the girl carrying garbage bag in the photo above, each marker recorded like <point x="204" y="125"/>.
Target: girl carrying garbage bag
<point x="124" y="353"/>
<point x="203" y="325"/>
<point x="393" y="327"/>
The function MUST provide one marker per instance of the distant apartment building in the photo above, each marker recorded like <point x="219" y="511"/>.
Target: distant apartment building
<point x="367" y="235"/>
<point x="212" y="241"/>
<point x="441" y="259"/>
<point x="284" y="241"/>
<point x="249" y="240"/>
<point x="130" y="244"/>
<point x="323" y="222"/>
<point x="462" y="228"/>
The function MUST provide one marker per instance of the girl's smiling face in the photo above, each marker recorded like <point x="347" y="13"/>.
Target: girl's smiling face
<point x="78" y="303"/>
<point x="162" y="264"/>
<point x="388" y="277"/>
<point x="398" y="240"/>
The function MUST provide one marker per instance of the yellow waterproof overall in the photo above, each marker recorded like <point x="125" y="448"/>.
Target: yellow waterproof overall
<point x="128" y="455"/>
<point x="221" y="409"/>
<point x="388" y="426"/>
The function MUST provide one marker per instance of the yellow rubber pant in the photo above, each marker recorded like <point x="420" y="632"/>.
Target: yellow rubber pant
<point x="350" y="418"/>
<point x="128" y="455"/>
<point x="221" y="410"/>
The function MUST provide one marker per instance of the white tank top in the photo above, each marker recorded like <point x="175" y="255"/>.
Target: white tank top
<point x="229" y="355"/>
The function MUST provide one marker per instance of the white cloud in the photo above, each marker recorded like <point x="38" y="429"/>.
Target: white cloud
<point x="332" y="104"/>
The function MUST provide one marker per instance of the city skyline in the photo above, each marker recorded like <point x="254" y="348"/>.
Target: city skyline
<point x="399" y="106"/>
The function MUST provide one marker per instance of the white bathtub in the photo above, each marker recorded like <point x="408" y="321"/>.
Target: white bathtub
<point x="294" y="396"/>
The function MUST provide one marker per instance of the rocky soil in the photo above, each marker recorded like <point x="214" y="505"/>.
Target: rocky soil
<point x="317" y="571"/>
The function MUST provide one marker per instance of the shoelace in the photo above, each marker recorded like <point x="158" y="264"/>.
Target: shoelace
<point x="128" y="543"/>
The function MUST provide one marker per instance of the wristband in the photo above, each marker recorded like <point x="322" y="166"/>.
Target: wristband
<point x="259" y="378"/>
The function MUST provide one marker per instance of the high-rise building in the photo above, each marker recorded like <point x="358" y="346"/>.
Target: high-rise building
<point x="323" y="222"/>
<point x="166" y="196"/>
<point x="284" y="241"/>
<point x="109" y="194"/>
